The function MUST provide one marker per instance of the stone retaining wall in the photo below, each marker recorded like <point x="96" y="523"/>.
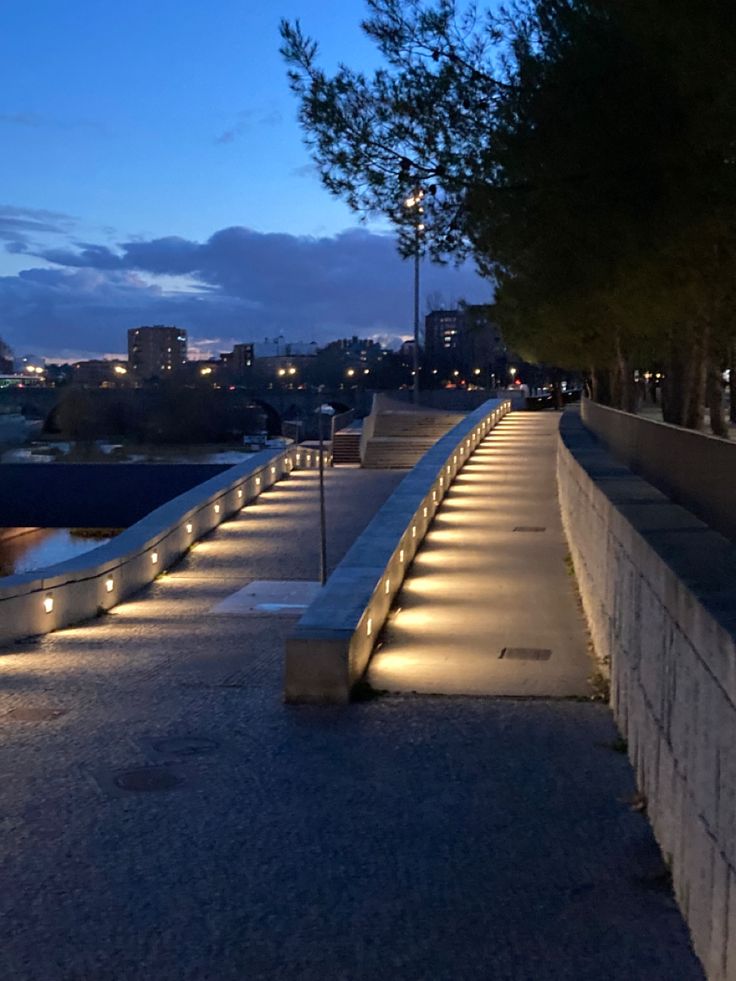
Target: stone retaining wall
<point x="693" y="469"/>
<point x="659" y="591"/>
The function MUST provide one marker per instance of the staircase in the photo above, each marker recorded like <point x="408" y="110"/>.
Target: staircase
<point x="346" y="447"/>
<point x="397" y="436"/>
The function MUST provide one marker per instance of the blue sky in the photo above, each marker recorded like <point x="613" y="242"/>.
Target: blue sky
<point x="124" y="126"/>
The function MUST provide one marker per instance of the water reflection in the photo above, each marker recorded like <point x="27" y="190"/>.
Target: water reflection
<point x="103" y="452"/>
<point x="43" y="547"/>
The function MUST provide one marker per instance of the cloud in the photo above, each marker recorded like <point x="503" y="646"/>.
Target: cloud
<point x="34" y="120"/>
<point x="237" y="285"/>
<point x="19" y="225"/>
<point x="248" y="119"/>
<point x="21" y="119"/>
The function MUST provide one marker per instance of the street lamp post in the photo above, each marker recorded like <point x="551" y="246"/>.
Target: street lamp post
<point x="414" y="203"/>
<point x="322" y="411"/>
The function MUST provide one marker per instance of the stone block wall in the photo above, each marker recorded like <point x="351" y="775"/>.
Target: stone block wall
<point x="659" y="591"/>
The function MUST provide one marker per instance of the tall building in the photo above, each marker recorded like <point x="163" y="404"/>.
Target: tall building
<point x="465" y="340"/>
<point x="155" y="352"/>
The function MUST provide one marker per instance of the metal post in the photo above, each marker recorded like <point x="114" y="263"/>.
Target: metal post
<point x="416" y="315"/>
<point x="322" y="523"/>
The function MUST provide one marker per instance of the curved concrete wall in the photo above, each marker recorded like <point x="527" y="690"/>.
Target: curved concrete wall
<point x="693" y="469"/>
<point x="332" y="643"/>
<point x="38" y="602"/>
<point x="659" y="591"/>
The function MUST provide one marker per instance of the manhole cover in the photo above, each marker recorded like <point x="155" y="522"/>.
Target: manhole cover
<point x="526" y="653"/>
<point x="529" y="528"/>
<point x="184" y="746"/>
<point x="36" y="714"/>
<point x="146" y="779"/>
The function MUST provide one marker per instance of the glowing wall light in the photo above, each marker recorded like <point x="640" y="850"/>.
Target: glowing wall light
<point x="369" y="627"/>
<point x="217" y="508"/>
<point x="413" y="531"/>
<point x="109" y="584"/>
<point x="388" y="586"/>
<point x="401" y="556"/>
<point x="258" y="481"/>
<point x="273" y="470"/>
<point x="48" y="603"/>
<point x="240" y="492"/>
<point x="189" y="527"/>
<point x="434" y="495"/>
<point x="154" y="558"/>
<point x="425" y="512"/>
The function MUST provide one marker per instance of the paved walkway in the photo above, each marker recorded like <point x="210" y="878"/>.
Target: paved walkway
<point x="404" y="839"/>
<point x="489" y="607"/>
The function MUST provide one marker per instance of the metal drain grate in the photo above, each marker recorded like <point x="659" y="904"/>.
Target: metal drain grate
<point x="526" y="653"/>
<point x="529" y="528"/>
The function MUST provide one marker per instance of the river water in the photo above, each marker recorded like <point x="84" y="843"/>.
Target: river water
<point x="42" y="547"/>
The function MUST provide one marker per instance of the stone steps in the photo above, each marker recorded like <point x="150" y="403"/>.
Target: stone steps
<point x="389" y="452"/>
<point x="346" y="447"/>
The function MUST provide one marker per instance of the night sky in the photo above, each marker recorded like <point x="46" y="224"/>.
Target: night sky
<point x="152" y="171"/>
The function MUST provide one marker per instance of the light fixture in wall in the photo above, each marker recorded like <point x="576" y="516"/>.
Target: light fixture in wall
<point x="401" y="556"/>
<point x="48" y="603"/>
<point x="273" y="470"/>
<point x="369" y="627"/>
<point x="425" y="512"/>
<point x="258" y="481"/>
<point x="413" y="531"/>
<point x="388" y="586"/>
<point x="240" y="492"/>
<point x="217" y="508"/>
<point x="189" y="527"/>
<point x="109" y="584"/>
<point x="154" y="558"/>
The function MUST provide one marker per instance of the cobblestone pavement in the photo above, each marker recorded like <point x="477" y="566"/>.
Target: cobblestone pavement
<point x="403" y="838"/>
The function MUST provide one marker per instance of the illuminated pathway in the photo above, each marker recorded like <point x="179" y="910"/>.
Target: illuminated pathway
<point x="491" y="578"/>
<point x="165" y="817"/>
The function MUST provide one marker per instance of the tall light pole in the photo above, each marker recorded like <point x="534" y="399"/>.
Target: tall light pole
<point x="414" y="203"/>
<point x="324" y="410"/>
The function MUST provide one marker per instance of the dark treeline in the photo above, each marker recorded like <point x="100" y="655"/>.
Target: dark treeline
<point x="583" y="152"/>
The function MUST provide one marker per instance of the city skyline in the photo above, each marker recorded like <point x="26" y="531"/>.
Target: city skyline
<point x="165" y="181"/>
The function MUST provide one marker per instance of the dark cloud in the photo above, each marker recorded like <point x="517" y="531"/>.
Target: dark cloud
<point x="249" y="119"/>
<point x="18" y="226"/>
<point x="21" y="119"/>
<point x="238" y="285"/>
